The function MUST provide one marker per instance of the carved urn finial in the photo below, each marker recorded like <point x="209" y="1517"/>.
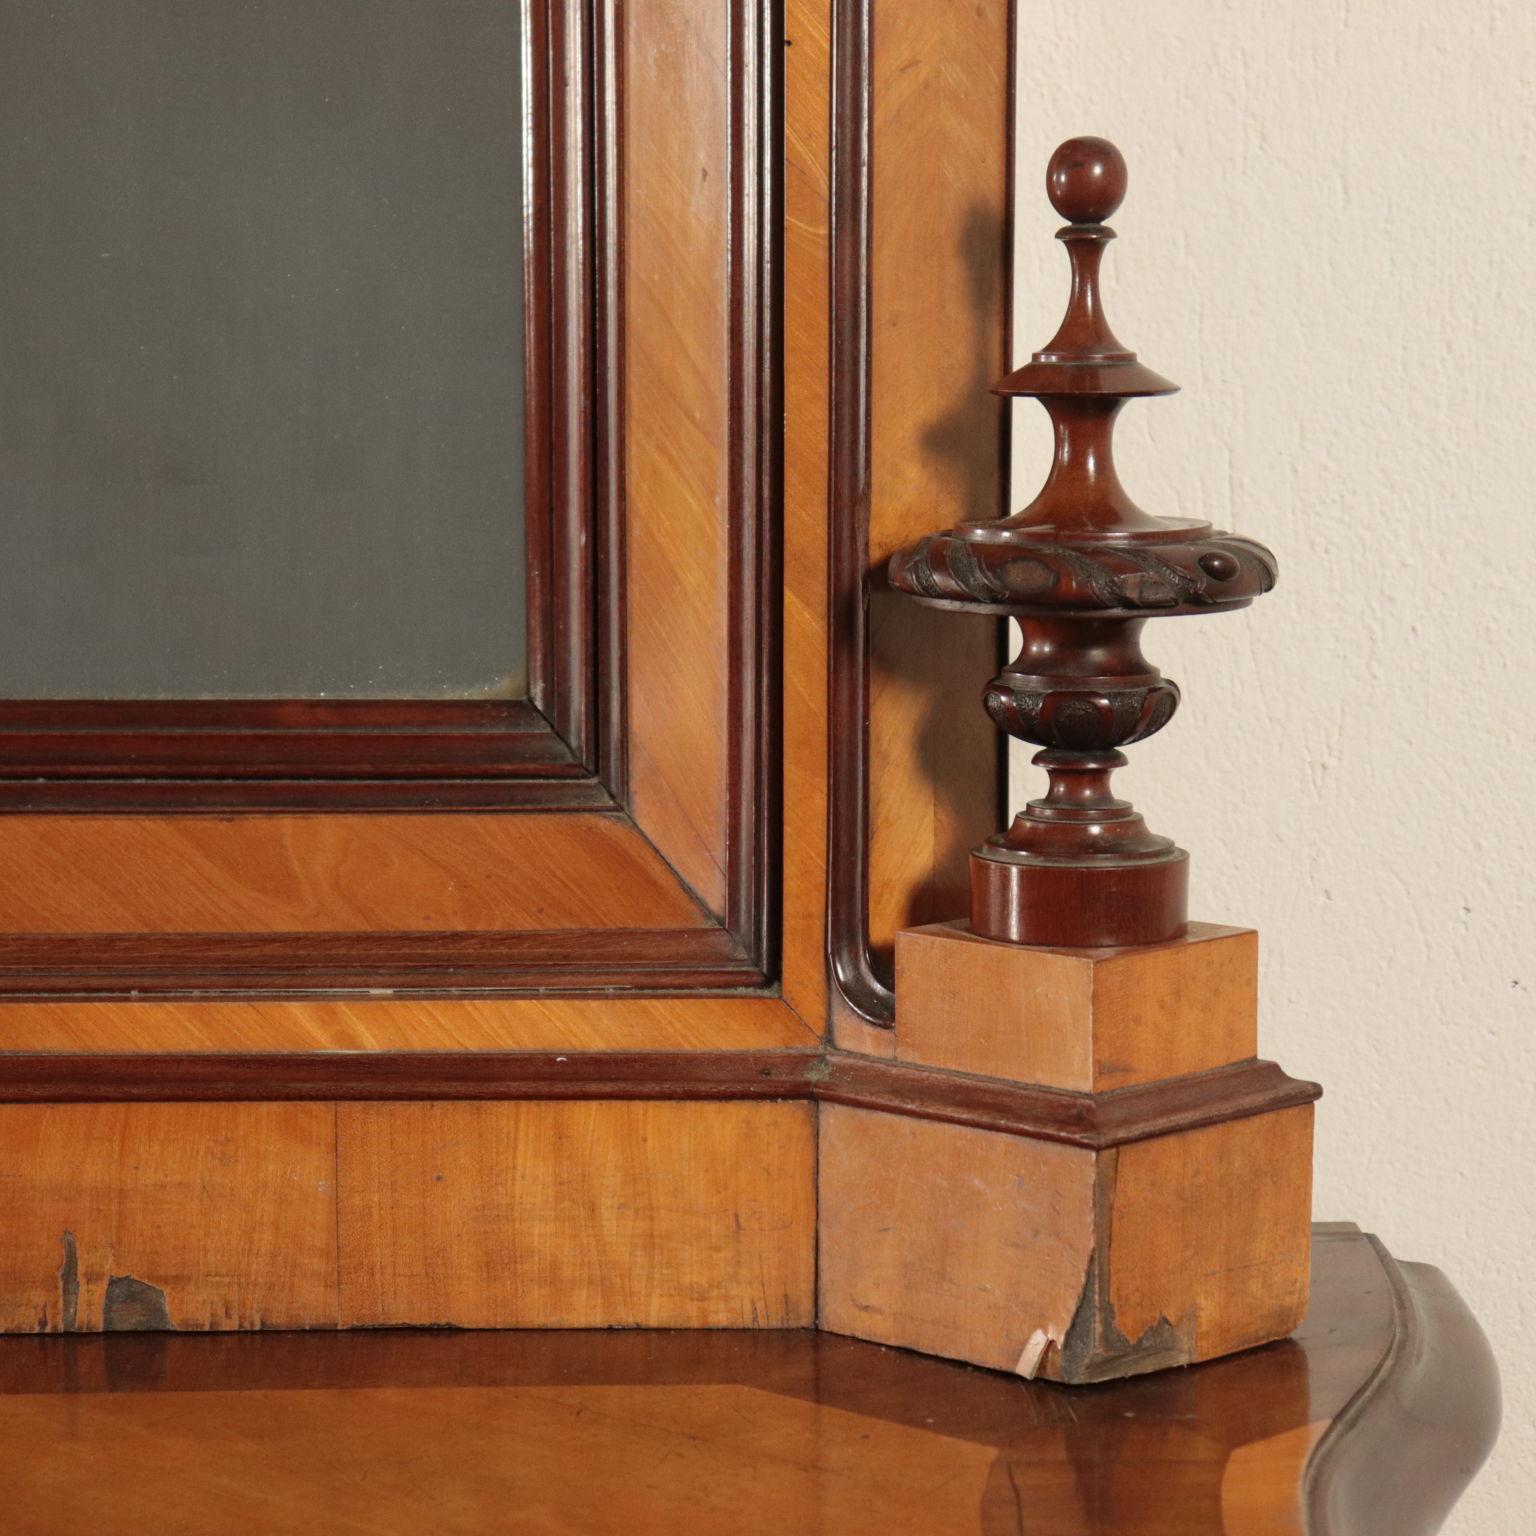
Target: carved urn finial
<point x="1082" y="568"/>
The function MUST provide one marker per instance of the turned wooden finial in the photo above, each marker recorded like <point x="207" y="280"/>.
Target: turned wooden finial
<point x="1082" y="568"/>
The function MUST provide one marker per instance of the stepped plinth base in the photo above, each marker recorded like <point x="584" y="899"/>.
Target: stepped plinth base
<point x="1077" y="1170"/>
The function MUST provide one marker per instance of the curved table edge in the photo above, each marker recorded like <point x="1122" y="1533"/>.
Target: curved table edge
<point x="1406" y="1446"/>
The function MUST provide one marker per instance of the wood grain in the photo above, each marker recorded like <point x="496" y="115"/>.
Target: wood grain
<point x="1209" y="1231"/>
<point x="295" y="874"/>
<point x="426" y="1024"/>
<point x="1094" y="1121"/>
<point x="677" y="426"/>
<point x="1258" y="1486"/>
<point x="948" y="1240"/>
<point x="549" y="1458"/>
<point x="577" y="1214"/>
<point x="666" y="180"/>
<point x="940" y="199"/>
<point x="1076" y="1264"/>
<point x="192" y="1216"/>
<point x="384" y="1431"/>
<point x="1090" y="1020"/>
<point x="807" y="279"/>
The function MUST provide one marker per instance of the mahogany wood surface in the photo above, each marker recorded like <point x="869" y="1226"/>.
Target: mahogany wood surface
<point x="1370" y="1420"/>
<point x="397" y="1075"/>
<point x="1092" y="1121"/>
<point x="1081" y="569"/>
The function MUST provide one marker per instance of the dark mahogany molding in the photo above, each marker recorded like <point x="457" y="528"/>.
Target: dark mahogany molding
<point x="120" y="964"/>
<point x="854" y="972"/>
<point x="1396" y="1459"/>
<point x="1094" y="1121"/>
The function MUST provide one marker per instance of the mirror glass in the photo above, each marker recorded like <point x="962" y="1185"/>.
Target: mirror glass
<point x="261" y="349"/>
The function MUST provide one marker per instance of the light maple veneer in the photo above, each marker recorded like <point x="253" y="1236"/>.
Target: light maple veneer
<point x="188" y="1216"/>
<point x="1065" y="1262"/>
<point x="581" y="1214"/>
<point x="1084" y="1019"/>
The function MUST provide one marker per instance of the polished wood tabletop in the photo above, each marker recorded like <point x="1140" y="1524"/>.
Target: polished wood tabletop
<point x="1371" y="1419"/>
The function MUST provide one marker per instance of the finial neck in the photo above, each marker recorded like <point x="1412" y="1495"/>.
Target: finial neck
<point x="1084" y="335"/>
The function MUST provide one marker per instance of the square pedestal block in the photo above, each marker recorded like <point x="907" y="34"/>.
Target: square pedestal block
<point x="1072" y="1263"/>
<point x="1090" y="1020"/>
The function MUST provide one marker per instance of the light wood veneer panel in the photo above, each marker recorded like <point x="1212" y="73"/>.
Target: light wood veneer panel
<point x="430" y="1024"/>
<point x="938" y="282"/>
<point x="677" y="181"/>
<point x="953" y="1241"/>
<point x="333" y="874"/>
<point x="663" y="1215"/>
<point x="225" y="1215"/>
<point x="807" y="278"/>
<point x="1026" y="1255"/>
<point x="1219" y="1223"/>
<point x="1081" y="1019"/>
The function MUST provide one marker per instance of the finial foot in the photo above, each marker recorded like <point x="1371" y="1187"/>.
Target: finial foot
<point x="1079" y="867"/>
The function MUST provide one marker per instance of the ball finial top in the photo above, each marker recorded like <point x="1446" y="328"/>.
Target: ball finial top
<point x="1085" y="180"/>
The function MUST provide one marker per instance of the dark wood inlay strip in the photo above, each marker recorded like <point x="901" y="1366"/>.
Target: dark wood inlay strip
<point x="399" y="1075"/>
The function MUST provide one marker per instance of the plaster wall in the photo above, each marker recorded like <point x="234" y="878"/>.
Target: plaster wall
<point x="1328" y="241"/>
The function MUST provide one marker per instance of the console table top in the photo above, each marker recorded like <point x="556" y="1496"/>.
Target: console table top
<point x="1371" y="1419"/>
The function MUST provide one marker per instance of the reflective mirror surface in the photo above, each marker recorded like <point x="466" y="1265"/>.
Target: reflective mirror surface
<point x="261" y="349"/>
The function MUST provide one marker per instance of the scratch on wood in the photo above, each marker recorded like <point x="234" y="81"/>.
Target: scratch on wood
<point x="69" y="1285"/>
<point x="133" y="1306"/>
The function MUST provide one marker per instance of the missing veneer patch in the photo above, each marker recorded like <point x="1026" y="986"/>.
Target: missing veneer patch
<point x="69" y="1285"/>
<point x="133" y="1306"/>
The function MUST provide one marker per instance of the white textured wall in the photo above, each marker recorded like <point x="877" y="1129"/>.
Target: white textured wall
<point x="1329" y="242"/>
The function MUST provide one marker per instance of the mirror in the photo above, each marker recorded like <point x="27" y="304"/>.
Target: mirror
<point x="261" y="349"/>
